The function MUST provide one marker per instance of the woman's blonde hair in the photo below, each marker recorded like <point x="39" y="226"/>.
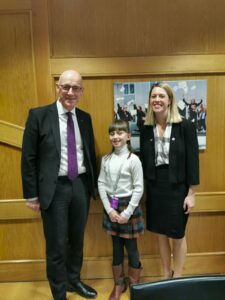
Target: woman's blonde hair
<point x="173" y="113"/>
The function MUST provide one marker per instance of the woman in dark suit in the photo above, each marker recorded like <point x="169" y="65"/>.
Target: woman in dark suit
<point x="169" y="154"/>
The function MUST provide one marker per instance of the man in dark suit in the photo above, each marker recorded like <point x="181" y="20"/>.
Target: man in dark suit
<point x="48" y="185"/>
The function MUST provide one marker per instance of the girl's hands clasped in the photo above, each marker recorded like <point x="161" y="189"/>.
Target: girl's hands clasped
<point x="122" y="220"/>
<point x="114" y="216"/>
<point x="117" y="218"/>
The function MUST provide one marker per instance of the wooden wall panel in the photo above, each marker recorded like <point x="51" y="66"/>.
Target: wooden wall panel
<point x="24" y="250"/>
<point x="11" y="134"/>
<point x="100" y="267"/>
<point x="10" y="183"/>
<point x="15" y="4"/>
<point x="18" y="88"/>
<point x="22" y="239"/>
<point x="96" y="100"/>
<point x="41" y="51"/>
<point x="136" y="28"/>
<point x="136" y="66"/>
<point x="204" y="233"/>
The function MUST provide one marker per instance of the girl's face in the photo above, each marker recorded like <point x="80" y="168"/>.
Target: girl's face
<point x="119" y="138"/>
<point x="159" y="100"/>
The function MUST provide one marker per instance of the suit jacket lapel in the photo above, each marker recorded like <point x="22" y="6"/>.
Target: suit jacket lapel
<point x="174" y="136"/>
<point x="80" y="121"/>
<point x="54" y="119"/>
<point x="83" y="128"/>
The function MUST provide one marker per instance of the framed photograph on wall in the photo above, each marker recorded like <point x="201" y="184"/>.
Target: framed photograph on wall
<point x="131" y="104"/>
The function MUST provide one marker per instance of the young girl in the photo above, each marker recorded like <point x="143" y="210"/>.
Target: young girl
<point x="120" y="185"/>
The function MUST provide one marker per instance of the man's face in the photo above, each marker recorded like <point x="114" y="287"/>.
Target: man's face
<point x="69" y="89"/>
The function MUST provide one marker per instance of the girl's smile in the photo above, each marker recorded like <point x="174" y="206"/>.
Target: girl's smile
<point x="119" y="138"/>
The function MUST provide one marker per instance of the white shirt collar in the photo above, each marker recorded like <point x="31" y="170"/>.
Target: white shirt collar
<point x="61" y="109"/>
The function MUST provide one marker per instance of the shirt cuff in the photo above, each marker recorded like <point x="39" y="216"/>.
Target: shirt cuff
<point x="32" y="199"/>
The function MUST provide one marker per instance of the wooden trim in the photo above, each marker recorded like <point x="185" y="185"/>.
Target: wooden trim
<point x="31" y="270"/>
<point x="15" y="4"/>
<point x="11" y="134"/>
<point x="154" y="65"/>
<point x="22" y="270"/>
<point x="15" y="209"/>
<point x="210" y="202"/>
<point x="40" y="26"/>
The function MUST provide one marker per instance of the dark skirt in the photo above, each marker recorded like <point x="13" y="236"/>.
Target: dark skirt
<point x="133" y="229"/>
<point x="164" y="205"/>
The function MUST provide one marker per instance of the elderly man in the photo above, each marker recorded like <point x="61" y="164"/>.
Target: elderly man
<point x="59" y="178"/>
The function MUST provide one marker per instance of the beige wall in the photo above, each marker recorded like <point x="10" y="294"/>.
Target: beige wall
<point x="108" y="41"/>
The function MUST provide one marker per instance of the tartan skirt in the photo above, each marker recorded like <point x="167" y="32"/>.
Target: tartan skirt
<point x="132" y="229"/>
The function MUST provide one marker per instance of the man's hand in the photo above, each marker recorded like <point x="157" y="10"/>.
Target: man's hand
<point x="34" y="205"/>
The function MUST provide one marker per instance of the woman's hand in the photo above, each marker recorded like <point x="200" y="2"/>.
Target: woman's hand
<point x="189" y="204"/>
<point x="189" y="201"/>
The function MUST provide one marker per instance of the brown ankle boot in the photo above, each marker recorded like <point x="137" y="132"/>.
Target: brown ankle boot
<point x="120" y="283"/>
<point x="134" y="274"/>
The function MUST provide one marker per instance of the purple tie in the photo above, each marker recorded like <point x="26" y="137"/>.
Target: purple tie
<point x="72" y="152"/>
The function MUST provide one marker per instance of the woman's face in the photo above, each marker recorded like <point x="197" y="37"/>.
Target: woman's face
<point x="159" y="101"/>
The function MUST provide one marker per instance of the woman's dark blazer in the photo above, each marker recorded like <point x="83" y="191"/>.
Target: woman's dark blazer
<point x="183" y="153"/>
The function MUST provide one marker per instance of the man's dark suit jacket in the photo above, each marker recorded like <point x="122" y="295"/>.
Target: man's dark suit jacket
<point x="41" y="153"/>
<point x="183" y="153"/>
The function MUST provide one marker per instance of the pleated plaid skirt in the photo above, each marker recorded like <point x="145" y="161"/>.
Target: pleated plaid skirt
<point x="133" y="229"/>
